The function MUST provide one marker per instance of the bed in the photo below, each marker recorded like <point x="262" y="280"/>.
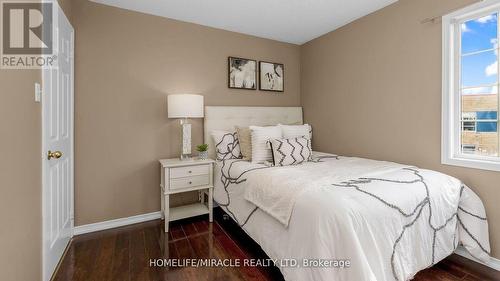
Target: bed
<point x="344" y="218"/>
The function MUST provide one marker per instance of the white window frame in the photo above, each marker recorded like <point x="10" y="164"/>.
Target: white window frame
<point x="451" y="153"/>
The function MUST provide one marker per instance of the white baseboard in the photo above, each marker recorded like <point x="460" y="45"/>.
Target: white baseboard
<point x="98" y="226"/>
<point x="494" y="263"/>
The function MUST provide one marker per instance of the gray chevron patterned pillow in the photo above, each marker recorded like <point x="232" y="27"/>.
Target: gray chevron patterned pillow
<point x="291" y="151"/>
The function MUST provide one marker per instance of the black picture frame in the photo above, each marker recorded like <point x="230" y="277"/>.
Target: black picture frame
<point x="230" y="63"/>
<point x="261" y="88"/>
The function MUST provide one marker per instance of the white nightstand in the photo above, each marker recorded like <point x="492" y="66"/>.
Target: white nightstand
<point x="182" y="176"/>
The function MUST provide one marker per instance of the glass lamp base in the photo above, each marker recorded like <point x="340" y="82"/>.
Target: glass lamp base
<point x="185" y="157"/>
<point x="186" y="140"/>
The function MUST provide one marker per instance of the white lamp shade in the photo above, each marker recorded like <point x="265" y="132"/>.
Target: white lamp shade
<point x="185" y="106"/>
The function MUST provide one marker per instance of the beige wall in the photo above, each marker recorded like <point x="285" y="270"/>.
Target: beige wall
<point x="373" y="89"/>
<point x="20" y="176"/>
<point x="126" y="64"/>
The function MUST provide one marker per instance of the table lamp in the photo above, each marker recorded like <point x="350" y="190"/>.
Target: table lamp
<point x="184" y="107"/>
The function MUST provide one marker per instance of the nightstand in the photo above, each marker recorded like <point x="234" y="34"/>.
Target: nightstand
<point x="179" y="176"/>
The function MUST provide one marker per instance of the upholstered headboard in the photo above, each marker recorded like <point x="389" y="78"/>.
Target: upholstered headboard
<point x="227" y="117"/>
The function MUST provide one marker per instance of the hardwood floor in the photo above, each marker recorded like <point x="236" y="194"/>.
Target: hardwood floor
<point x="124" y="254"/>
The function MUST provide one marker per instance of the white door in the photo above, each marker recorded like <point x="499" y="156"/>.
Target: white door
<point x="57" y="137"/>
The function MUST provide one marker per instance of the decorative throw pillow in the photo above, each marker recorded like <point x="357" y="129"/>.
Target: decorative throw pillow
<point x="245" y="139"/>
<point x="293" y="131"/>
<point x="261" y="151"/>
<point x="291" y="151"/>
<point x="227" y="145"/>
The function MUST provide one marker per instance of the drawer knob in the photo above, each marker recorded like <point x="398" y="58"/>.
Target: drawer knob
<point x="190" y="182"/>
<point x="190" y="172"/>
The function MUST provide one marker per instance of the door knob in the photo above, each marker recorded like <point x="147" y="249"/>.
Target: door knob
<point x="55" y="154"/>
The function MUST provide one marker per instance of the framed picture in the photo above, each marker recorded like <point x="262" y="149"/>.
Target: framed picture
<point x="242" y="73"/>
<point x="271" y="77"/>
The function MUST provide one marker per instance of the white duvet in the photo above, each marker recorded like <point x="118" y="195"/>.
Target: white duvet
<point x="388" y="220"/>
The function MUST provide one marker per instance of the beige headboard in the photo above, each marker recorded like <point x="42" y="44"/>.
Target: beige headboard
<point x="227" y="117"/>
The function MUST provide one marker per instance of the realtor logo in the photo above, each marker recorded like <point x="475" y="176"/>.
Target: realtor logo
<point x="27" y="37"/>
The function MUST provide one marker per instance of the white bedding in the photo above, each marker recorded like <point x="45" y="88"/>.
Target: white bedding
<point x="275" y="191"/>
<point x="388" y="220"/>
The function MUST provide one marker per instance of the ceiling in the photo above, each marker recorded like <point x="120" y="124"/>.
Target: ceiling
<point x="292" y="21"/>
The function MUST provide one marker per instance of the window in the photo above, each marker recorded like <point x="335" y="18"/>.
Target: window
<point x="469" y="121"/>
<point x="479" y="122"/>
<point x="470" y="87"/>
<point x="470" y="149"/>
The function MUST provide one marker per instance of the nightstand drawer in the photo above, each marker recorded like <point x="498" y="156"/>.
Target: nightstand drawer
<point x="189" y="171"/>
<point x="189" y="182"/>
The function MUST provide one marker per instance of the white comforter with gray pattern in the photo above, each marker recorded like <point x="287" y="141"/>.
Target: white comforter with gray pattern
<point x="388" y="220"/>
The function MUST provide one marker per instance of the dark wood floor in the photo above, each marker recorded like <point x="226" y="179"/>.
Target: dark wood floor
<point x="124" y="254"/>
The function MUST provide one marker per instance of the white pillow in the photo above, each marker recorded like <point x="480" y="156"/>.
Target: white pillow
<point x="226" y="145"/>
<point x="293" y="131"/>
<point x="261" y="151"/>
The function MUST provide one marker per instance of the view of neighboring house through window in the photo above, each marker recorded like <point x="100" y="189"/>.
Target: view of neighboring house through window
<point x="479" y="86"/>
